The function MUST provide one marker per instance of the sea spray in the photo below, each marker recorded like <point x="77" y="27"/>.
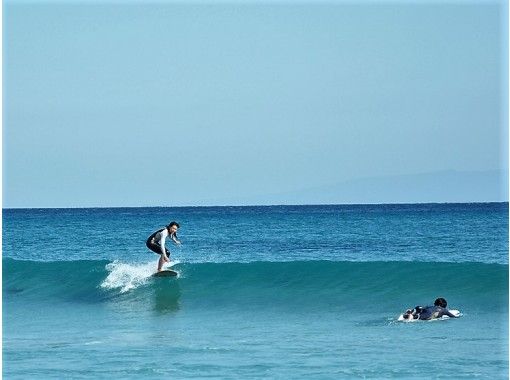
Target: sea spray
<point x="125" y="276"/>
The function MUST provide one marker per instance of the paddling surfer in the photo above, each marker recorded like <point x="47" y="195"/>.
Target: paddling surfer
<point x="156" y="242"/>
<point x="430" y="312"/>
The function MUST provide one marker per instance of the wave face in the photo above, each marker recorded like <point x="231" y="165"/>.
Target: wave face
<point x="305" y="283"/>
<point x="310" y="319"/>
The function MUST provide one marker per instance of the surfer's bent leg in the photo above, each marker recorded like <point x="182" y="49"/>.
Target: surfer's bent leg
<point x="162" y="259"/>
<point x="154" y="247"/>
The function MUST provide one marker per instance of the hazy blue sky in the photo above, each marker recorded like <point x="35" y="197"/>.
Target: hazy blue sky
<point x="109" y="104"/>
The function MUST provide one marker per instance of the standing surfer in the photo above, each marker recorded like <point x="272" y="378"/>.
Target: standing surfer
<point x="156" y="242"/>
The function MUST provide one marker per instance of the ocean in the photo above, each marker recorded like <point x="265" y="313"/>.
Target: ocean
<point x="274" y="292"/>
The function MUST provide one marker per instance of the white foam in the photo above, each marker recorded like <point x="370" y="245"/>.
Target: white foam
<point x="126" y="277"/>
<point x="93" y="342"/>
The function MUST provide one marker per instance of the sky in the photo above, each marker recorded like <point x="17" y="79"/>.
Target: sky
<point x="110" y="104"/>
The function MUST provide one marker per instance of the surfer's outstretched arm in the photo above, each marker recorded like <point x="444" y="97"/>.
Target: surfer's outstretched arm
<point x="448" y="313"/>
<point x="174" y="239"/>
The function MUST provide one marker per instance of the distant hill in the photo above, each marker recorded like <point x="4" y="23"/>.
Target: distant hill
<point x="438" y="187"/>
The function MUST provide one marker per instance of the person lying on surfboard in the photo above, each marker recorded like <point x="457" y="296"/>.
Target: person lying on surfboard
<point x="156" y="242"/>
<point x="430" y="312"/>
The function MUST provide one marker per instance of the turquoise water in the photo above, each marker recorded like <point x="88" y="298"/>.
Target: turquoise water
<point x="263" y="292"/>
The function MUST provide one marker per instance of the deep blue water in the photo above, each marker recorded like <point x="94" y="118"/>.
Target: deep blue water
<point x="262" y="292"/>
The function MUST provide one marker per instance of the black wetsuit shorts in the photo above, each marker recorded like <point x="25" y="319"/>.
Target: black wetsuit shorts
<point x="153" y="246"/>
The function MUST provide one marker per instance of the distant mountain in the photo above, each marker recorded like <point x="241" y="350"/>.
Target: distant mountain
<point x="438" y="187"/>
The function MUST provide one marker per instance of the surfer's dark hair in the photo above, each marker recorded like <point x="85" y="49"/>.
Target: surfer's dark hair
<point x="173" y="224"/>
<point x="440" y="302"/>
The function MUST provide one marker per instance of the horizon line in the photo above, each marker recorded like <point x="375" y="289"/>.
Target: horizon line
<point x="255" y="205"/>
